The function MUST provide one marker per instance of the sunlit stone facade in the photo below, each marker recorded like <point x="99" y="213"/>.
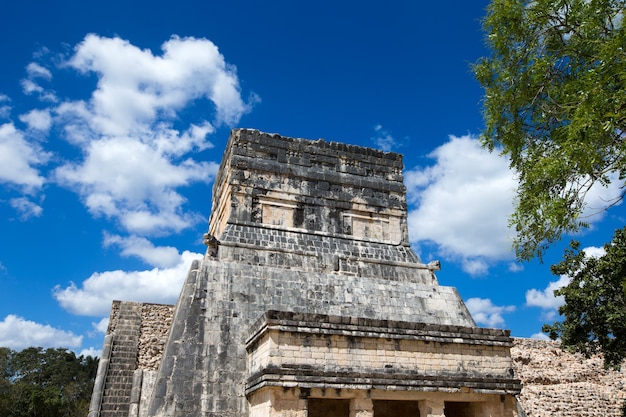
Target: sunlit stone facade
<point x="310" y="302"/>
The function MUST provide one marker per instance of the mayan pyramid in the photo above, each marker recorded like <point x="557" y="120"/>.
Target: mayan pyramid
<point x="308" y="302"/>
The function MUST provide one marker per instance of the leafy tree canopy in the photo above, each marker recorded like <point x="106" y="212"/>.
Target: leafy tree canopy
<point x="555" y="104"/>
<point x="45" y="383"/>
<point x="595" y="301"/>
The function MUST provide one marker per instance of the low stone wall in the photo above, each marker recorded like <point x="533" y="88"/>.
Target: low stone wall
<point x="557" y="383"/>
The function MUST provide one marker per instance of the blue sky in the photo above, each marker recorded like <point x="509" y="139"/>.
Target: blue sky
<point x="114" y="116"/>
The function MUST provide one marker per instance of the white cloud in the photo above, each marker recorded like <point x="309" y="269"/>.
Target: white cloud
<point x="102" y="325"/>
<point x="463" y="203"/>
<point x="37" y="119"/>
<point x="126" y="179"/>
<point x="474" y="266"/>
<point x="485" y="312"/>
<point x="162" y="256"/>
<point x="34" y="70"/>
<point x="94" y="296"/>
<point x="26" y="208"/>
<point x="90" y="351"/>
<point x="135" y="85"/>
<point x="99" y="328"/>
<point x="545" y="298"/>
<point x="594" y="252"/>
<point x="30" y="84"/>
<point x="134" y="157"/>
<point x="540" y="336"/>
<point x="30" y="87"/>
<point x="18" y="333"/>
<point x="18" y="159"/>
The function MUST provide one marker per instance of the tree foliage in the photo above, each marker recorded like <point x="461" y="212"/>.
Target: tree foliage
<point x="555" y="104"/>
<point x="595" y="301"/>
<point x="45" y="383"/>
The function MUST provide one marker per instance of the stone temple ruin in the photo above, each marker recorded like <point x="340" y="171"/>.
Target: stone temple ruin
<point x="308" y="302"/>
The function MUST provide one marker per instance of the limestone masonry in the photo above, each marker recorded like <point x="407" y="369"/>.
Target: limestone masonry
<point x="555" y="383"/>
<point x="308" y="302"/>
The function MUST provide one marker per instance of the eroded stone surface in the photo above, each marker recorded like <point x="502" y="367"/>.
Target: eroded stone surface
<point x="561" y="384"/>
<point x="555" y="382"/>
<point x="315" y="229"/>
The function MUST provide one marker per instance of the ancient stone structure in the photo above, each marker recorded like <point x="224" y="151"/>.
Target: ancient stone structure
<point x="562" y="384"/>
<point x="308" y="302"/>
<point x="555" y="383"/>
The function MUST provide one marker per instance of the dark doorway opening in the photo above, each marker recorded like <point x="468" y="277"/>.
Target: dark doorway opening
<point x="459" y="409"/>
<point x="318" y="407"/>
<point x="393" y="408"/>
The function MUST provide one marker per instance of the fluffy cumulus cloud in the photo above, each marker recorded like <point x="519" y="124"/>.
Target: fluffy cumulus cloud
<point x="142" y="248"/>
<point x="135" y="151"/>
<point x="19" y="159"/>
<point x="135" y="156"/>
<point x="462" y="204"/>
<point x="94" y="296"/>
<point x="486" y="313"/>
<point x="18" y="333"/>
<point x="545" y="298"/>
<point x="135" y="183"/>
<point x="37" y="119"/>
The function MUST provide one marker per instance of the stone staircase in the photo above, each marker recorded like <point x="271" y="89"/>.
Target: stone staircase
<point x="122" y="363"/>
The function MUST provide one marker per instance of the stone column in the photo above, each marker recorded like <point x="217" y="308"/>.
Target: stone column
<point x="432" y="408"/>
<point x="361" y="407"/>
<point x="288" y="404"/>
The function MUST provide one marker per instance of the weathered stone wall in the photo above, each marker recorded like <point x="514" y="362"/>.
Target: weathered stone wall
<point x="296" y="225"/>
<point x="562" y="384"/>
<point x="325" y="187"/>
<point x="156" y="320"/>
<point x="315" y="228"/>
<point x="286" y="347"/>
<point x="556" y="383"/>
<point x="312" y="205"/>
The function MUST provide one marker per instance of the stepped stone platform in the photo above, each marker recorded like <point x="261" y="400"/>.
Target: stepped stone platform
<point x="309" y="302"/>
<point x="555" y="383"/>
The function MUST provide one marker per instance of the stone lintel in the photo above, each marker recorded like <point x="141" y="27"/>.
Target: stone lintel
<point x="303" y="378"/>
<point x="365" y="327"/>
